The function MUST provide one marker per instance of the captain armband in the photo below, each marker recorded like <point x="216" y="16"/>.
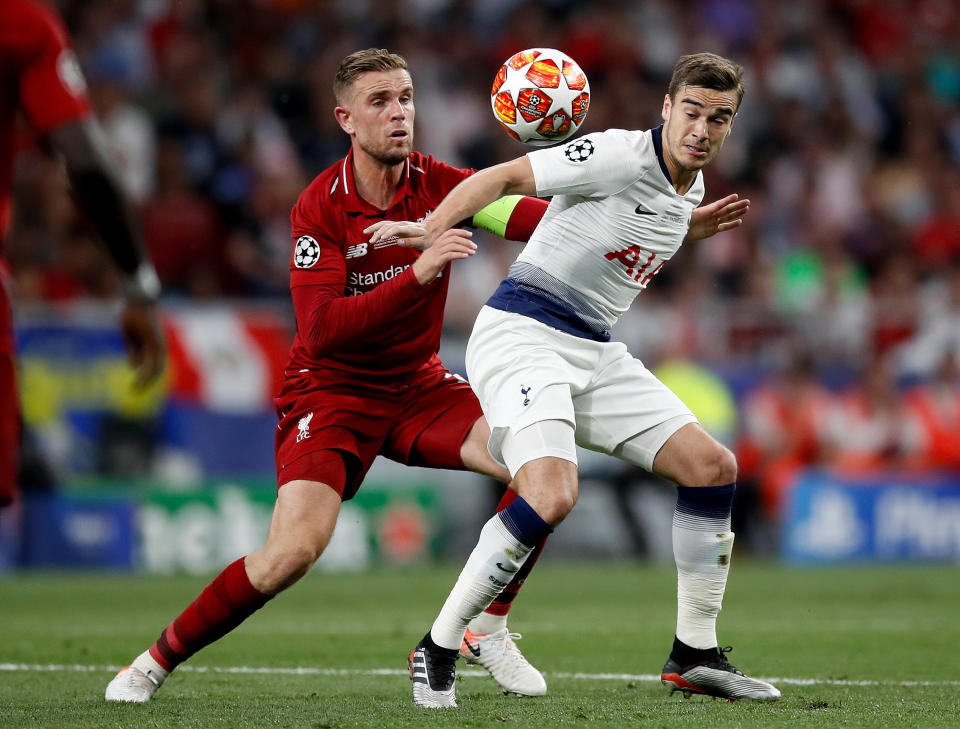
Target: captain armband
<point x="513" y="217"/>
<point x="496" y="215"/>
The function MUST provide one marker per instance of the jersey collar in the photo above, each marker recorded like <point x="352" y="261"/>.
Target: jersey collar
<point x="657" y="134"/>
<point x="344" y="188"/>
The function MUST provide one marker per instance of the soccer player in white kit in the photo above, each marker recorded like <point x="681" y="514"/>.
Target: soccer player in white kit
<point x="548" y="377"/>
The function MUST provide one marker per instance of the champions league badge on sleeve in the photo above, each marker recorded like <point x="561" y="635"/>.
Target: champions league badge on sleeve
<point x="579" y="151"/>
<point x="306" y="253"/>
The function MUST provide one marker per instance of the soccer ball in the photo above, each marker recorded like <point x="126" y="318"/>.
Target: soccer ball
<point x="540" y="96"/>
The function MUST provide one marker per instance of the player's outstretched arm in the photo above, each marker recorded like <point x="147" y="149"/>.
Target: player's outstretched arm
<point x="81" y="146"/>
<point x="463" y="202"/>
<point x="720" y="215"/>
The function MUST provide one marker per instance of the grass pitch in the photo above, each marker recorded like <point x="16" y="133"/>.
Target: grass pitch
<point x="873" y="648"/>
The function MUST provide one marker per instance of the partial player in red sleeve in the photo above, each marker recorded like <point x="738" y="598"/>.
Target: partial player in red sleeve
<point x="363" y="378"/>
<point x="42" y="82"/>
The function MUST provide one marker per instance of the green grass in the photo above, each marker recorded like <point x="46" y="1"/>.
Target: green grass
<point x="886" y="625"/>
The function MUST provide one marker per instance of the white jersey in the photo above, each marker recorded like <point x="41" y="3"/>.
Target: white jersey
<point x="615" y="219"/>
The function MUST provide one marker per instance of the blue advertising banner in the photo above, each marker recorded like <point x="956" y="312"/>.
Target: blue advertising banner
<point x="66" y="531"/>
<point x="831" y="519"/>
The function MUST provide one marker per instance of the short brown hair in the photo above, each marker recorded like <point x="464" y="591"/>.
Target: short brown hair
<point x="361" y="62"/>
<point x="708" y="71"/>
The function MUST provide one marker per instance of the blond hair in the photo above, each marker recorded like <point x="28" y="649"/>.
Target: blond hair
<point x="361" y="62"/>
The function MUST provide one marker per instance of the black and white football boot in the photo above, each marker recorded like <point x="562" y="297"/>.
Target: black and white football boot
<point x="709" y="673"/>
<point x="433" y="671"/>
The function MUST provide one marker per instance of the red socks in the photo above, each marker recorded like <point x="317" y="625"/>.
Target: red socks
<point x="222" y="606"/>
<point x="501" y="605"/>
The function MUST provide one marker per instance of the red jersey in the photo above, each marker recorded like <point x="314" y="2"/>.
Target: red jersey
<point x="39" y="75"/>
<point x="360" y="310"/>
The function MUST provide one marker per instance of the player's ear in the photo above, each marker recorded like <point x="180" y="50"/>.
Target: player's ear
<point x="665" y="112"/>
<point x="730" y="128"/>
<point x="343" y="117"/>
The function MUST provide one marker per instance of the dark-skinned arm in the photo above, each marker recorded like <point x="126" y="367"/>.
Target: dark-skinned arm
<point x="81" y="145"/>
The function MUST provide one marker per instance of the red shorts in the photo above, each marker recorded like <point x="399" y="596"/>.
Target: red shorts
<point x="9" y="400"/>
<point x="332" y="432"/>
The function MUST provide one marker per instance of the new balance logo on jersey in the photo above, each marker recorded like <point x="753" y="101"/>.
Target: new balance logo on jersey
<point x="304" y="427"/>
<point x="356" y="251"/>
<point x="524" y="391"/>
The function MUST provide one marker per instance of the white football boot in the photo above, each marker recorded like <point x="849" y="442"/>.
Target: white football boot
<point x="498" y="653"/>
<point x="138" y="682"/>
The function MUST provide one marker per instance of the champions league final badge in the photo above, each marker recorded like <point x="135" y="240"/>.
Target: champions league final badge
<point x="306" y="253"/>
<point x="579" y="151"/>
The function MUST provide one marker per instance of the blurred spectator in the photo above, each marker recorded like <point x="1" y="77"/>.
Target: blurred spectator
<point x="128" y="128"/>
<point x="183" y="233"/>
<point x="936" y="240"/>
<point x="783" y="429"/>
<point x="896" y="302"/>
<point x="866" y="428"/>
<point x="939" y="332"/>
<point x="935" y="408"/>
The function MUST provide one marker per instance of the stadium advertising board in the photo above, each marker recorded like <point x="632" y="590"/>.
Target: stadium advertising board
<point x="881" y="519"/>
<point x="198" y="531"/>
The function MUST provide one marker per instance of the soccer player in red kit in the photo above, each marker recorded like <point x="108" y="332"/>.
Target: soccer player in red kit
<point x="40" y="79"/>
<point x="363" y="377"/>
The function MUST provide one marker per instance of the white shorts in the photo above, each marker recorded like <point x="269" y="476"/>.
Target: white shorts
<point x="526" y="372"/>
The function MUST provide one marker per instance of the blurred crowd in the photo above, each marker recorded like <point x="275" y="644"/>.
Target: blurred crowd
<point x="836" y="306"/>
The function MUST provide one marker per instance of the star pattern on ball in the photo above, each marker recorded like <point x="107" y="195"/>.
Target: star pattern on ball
<point x="579" y="151"/>
<point x="306" y="252"/>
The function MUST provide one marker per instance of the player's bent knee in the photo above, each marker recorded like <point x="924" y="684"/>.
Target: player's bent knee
<point x="562" y="505"/>
<point x="550" y="486"/>
<point x="719" y="468"/>
<point x="692" y="457"/>
<point x="553" y="509"/>
<point x="727" y="468"/>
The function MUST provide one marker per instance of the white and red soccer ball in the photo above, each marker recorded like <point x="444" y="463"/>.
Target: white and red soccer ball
<point x="540" y="96"/>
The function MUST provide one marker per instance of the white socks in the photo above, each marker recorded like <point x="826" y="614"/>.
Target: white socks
<point x="490" y="567"/>
<point x="486" y="623"/>
<point x="703" y="561"/>
<point x="702" y="545"/>
<point x="146" y="664"/>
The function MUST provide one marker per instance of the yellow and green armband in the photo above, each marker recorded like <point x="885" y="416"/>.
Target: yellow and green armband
<point x="513" y="216"/>
<point x="496" y="215"/>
